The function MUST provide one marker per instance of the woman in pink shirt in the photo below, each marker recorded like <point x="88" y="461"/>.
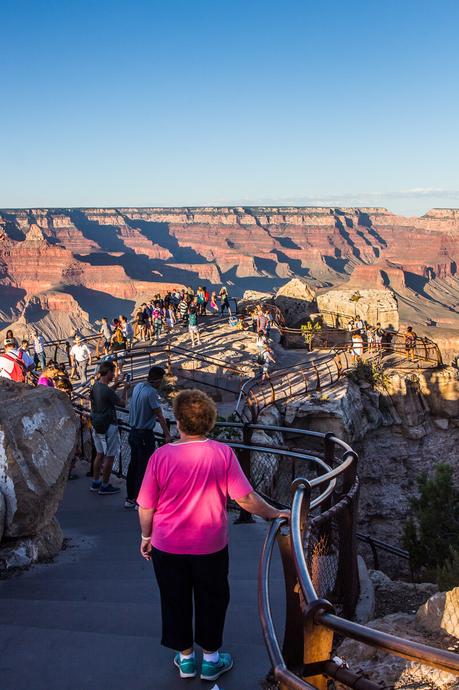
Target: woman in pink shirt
<point x="183" y="518"/>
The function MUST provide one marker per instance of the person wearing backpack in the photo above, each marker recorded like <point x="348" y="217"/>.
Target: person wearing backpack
<point x="105" y="428"/>
<point x="410" y="343"/>
<point x="118" y="346"/>
<point x="12" y="366"/>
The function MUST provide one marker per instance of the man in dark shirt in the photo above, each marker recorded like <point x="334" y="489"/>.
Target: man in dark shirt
<point x="105" y="429"/>
<point x="144" y="411"/>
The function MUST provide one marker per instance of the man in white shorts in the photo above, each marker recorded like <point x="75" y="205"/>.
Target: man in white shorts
<point x="105" y="428"/>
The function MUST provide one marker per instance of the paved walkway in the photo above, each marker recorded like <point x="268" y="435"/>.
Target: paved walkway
<point x="91" y="619"/>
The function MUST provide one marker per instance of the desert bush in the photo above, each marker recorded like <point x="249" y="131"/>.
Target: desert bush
<point x="432" y="531"/>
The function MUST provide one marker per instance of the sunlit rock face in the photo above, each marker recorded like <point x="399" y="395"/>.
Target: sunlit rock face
<point x="38" y="433"/>
<point x="109" y="258"/>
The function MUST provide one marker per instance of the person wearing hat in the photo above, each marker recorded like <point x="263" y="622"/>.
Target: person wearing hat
<point x="11" y="365"/>
<point x="80" y="357"/>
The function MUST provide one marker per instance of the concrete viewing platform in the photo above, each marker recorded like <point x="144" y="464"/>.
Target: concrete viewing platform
<point x="91" y="619"/>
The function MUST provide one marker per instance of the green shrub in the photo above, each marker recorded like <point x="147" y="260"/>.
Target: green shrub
<point x="369" y="372"/>
<point x="432" y="531"/>
<point x="448" y="574"/>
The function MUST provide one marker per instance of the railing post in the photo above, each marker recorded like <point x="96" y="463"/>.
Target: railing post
<point x="244" y="458"/>
<point x="292" y="648"/>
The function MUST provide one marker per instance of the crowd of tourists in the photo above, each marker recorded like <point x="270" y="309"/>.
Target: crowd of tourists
<point x="375" y="339"/>
<point x="184" y="306"/>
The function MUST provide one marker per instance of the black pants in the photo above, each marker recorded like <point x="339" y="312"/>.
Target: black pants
<point x="181" y="579"/>
<point x="142" y="443"/>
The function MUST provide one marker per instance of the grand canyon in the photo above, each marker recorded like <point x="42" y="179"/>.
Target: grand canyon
<point x="64" y="268"/>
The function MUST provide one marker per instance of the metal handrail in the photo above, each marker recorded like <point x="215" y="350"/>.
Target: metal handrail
<point x="279" y="667"/>
<point x="414" y="651"/>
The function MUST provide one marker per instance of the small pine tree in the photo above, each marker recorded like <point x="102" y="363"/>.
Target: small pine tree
<point x="433" y="528"/>
<point x="448" y="574"/>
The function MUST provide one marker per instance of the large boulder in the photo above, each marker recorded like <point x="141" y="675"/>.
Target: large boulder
<point x="38" y="432"/>
<point x="440" y="612"/>
<point x="397" y="672"/>
<point x="296" y="299"/>
<point x="252" y="298"/>
<point x="2" y="515"/>
<point x="371" y="305"/>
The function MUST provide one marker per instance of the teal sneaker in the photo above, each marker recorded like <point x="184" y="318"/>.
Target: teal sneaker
<point x="211" y="670"/>
<point x="187" y="667"/>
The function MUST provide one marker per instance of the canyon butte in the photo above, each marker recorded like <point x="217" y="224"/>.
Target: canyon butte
<point x="75" y="265"/>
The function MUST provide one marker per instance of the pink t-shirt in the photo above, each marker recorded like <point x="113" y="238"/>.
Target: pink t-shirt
<point x="187" y="485"/>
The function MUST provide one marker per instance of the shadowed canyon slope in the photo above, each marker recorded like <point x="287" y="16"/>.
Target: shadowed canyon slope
<point x="82" y="262"/>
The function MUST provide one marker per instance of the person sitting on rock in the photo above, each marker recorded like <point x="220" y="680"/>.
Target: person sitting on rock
<point x="48" y="375"/>
<point x="62" y="380"/>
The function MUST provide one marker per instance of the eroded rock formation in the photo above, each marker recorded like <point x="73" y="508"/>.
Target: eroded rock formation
<point x="37" y="441"/>
<point x="106" y="258"/>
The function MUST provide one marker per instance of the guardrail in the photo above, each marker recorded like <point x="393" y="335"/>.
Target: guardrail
<point x="316" y="375"/>
<point x="318" y="551"/>
<point x="316" y="616"/>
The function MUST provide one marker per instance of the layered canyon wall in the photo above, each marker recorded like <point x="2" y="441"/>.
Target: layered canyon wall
<point x="108" y="259"/>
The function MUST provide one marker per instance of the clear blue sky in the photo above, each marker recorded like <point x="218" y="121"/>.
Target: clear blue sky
<point x="190" y="102"/>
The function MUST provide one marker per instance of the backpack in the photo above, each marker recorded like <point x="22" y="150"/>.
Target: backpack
<point x="17" y="371"/>
<point x="260" y="358"/>
<point x="118" y="337"/>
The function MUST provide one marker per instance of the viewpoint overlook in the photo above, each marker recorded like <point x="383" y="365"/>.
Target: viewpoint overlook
<point x="82" y="263"/>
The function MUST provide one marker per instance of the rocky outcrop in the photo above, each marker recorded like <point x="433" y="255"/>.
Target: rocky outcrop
<point x="371" y="305"/>
<point x="400" y="430"/>
<point x="37" y="440"/>
<point x="440" y="612"/>
<point x="393" y="671"/>
<point x="296" y="299"/>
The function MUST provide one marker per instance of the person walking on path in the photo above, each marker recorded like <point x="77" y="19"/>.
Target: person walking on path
<point x="105" y="335"/>
<point x="118" y="347"/>
<point x="265" y="359"/>
<point x="144" y="411"/>
<point x="213" y="304"/>
<point x="379" y="335"/>
<point x="80" y="357"/>
<point x="105" y="428"/>
<point x="23" y="352"/>
<point x="410" y="343"/>
<point x="39" y="349"/>
<point x="193" y="328"/>
<point x="184" y="532"/>
<point x="224" y="301"/>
